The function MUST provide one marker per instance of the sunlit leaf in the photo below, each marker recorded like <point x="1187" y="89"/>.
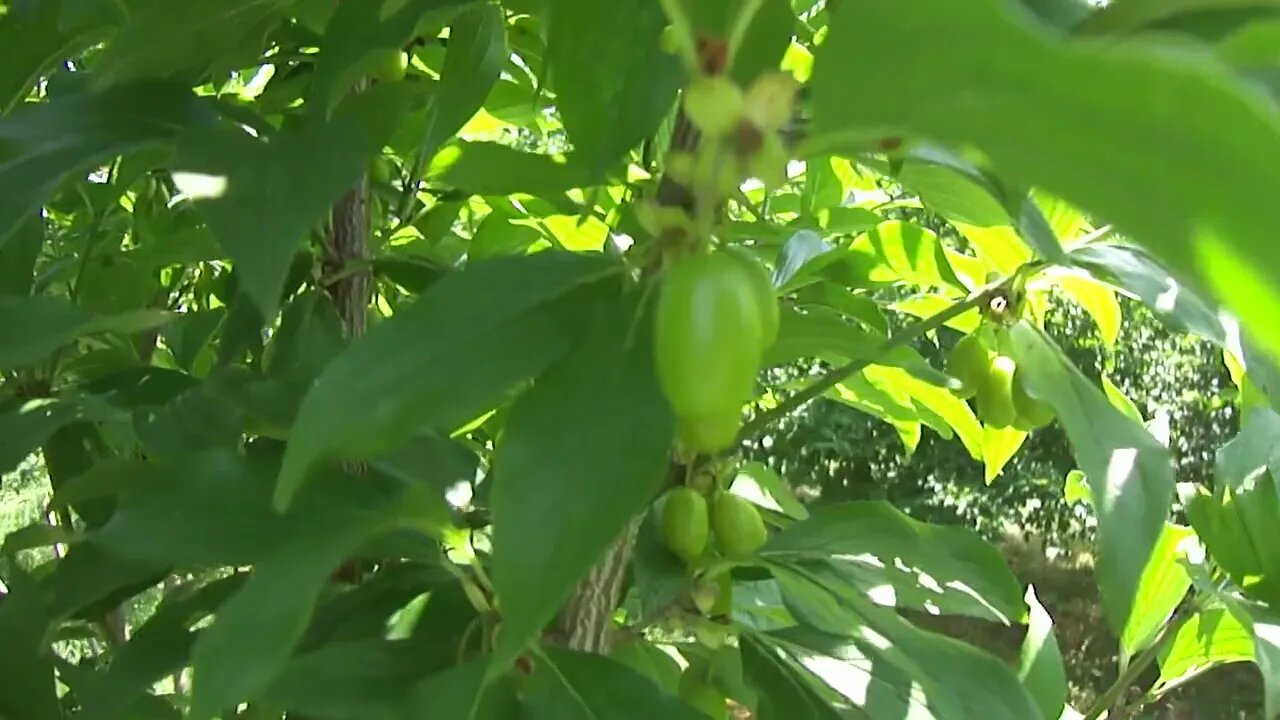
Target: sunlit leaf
<point x="1121" y="169"/>
<point x="1129" y="471"/>
<point x="1041" y="669"/>
<point x="878" y="546"/>
<point x="1163" y="584"/>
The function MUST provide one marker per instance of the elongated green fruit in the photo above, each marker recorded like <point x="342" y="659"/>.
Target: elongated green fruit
<point x="684" y="523"/>
<point x="995" y="394"/>
<point x="708" y="336"/>
<point x="710" y="433"/>
<point x="765" y="295"/>
<point x="968" y="362"/>
<point x="739" y="529"/>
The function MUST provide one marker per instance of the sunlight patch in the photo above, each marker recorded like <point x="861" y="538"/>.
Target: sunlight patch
<point x="200" y="186"/>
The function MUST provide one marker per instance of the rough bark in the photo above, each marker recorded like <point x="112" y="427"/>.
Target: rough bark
<point x="586" y="621"/>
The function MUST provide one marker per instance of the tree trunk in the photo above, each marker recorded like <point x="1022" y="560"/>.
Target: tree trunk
<point x="347" y="243"/>
<point x="586" y="621"/>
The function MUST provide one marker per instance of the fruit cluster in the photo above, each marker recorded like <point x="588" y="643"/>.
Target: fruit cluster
<point x="991" y="378"/>
<point x="690" y="524"/>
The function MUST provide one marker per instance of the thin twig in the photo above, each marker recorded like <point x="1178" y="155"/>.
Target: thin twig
<point x="1111" y="697"/>
<point x="840" y="374"/>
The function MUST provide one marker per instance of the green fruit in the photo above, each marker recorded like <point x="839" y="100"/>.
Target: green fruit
<point x="710" y="433"/>
<point x="714" y="104"/>
<point x="703" y="696"/>
<point x="995" y="393"/>
<point x="1032" y="413"/>
<point x="770" y="101"/>
<point x="389" y="64"/>
<point x="765" y="296"/>
<point x="739" y="529"/>
<point x="968" y="362"/>
<point x="684" y="523"/>
<point x="708" y="340"/>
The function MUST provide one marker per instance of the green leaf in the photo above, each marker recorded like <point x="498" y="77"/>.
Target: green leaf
<point x="914" y="668"/>
<point x="1264" y="626"/>
<point x="1121" y="170"/>
<point x="660" y="577"/>
<point x="1209" y="638"/>
<point x="571" y="685"/>
<point x="34" y="327"/>
<point x="1134" y="271"/>
<point x="999" y="445"/>
<point x="1163" y="584"/>
<point x="651" y="661"/>
<point x="161" y="40"/>
<point x="88" y="582"/>
<point x="28" y="690"/>
<point x="24" y="428"/>
<point x="787" y="691"/>
<point x="914" y="253"/>
<point x="1238" y="520"/>
<point x="221" y="513"/>
<point x="581" y="454"/>
<point x="1125" y="16"/>
<point x="1129" y="472"/>
<point x="875" y="545"/>
<point x="485" y="168"/>
<point x="249" y="643"/>
<point x="160" y="646"/>
<point x="613" y="83"/>
<point x="1096" y="299"/>
<point x="963" y="195"/>
<point x="45" y="141"/>
<point x="473" y="61"/>
<point x="796" y="252"/>
<point x="497" y="236"/>
<point x="442" y="361"/>
<point x="351" y="680"/>
<point x="461" y="692"/>
<point x="1041" y="670"/>
<point x="262" y="199"/>
<point x="353" y="33"/>
<point x="18" y="256"/>
<point x="34" y="35"/>
<point x="1121" y="401"/>
<point x="765" y="42"/>
<point x="762" y="486"/>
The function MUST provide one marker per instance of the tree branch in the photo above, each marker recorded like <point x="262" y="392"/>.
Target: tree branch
<point x="840" y="374"/>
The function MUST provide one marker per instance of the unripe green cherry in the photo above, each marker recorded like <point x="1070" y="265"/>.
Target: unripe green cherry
<point x="684" y="523"/>
<point x="995" y="394"/>
<point x="738" y="527"/>
<point x="708" y="339"/>
<point x="714" y="104"/>
<point x="770" y="101"/>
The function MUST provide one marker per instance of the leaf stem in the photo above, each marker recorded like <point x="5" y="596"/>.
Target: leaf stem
<point x="898" y="339"/>
<point x="1108" y="700"/>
